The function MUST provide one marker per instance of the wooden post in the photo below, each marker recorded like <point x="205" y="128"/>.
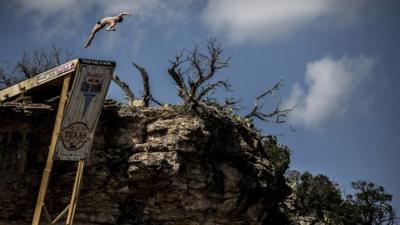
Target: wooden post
<point x="50" y="156"/>
<point x="75" y="192"/>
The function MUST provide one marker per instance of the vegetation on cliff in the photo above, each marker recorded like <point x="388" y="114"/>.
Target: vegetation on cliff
<point x="321" y="201"/>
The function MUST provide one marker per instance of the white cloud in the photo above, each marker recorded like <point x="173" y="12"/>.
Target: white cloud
<point x="330" y="84"/>
<point x="264" y="20"/>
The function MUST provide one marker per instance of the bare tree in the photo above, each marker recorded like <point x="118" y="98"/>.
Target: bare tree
<point x="5" y="79"/>
<point x="192" y="72"/>
<point x="125" y="88"/>
<point x="31" y="64"/>
<point x="147" y="97"/>
<point x="278" y="115"/>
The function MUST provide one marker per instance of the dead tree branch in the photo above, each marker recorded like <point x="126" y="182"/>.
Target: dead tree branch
<point x="146" y="85"/>
<point x="271" y="91"/>
<point x="130" y="96"/>
<point x="5" y="79"/>
<point x="232" y="103"/>
<point x="147" y="96"/>
<point x="176" y="73"/>
<point x="278" y="115"/>
<point x="125" y="88"/>
<point x="211" y="87"/>
<point x="191" y="70"/>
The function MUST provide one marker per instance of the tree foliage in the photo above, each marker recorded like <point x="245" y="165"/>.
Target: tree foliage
<point x="320" y="198"/>
<point x="278" y="155"/>
<point x="373" y="203"/>
<point x="316" y="195"/>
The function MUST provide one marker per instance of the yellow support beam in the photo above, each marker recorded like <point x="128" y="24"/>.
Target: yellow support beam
<point x="50" y="156"/>
<point x="75" y="192"/>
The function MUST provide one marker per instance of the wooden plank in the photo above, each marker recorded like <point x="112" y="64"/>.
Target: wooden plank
<point x="75" y="193"/>
<point x="89" y="90"/>
<point x="38" y="80"/>
<point x="50" y="156"/>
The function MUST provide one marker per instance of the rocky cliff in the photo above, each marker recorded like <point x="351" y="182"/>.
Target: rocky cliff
<point x="147" y="166"/>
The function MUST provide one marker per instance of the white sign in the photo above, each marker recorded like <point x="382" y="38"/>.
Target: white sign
<point x="89" y="89"/>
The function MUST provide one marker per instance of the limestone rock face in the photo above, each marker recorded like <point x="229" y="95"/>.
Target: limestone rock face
<point x="153" y="166"/>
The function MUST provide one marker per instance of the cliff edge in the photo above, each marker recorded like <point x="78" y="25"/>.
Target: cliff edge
<point x="148" y="166"/>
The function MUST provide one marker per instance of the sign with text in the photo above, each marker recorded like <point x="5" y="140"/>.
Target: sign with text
<point x="89" y="89"/>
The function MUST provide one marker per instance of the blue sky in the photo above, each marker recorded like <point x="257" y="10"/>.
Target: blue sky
<point x="339" y="61"/>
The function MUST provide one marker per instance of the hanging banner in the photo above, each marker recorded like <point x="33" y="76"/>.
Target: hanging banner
<point x="89" y="89"/>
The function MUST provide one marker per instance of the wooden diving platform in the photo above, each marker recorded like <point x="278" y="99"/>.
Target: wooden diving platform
<point x="46" y="85"/>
